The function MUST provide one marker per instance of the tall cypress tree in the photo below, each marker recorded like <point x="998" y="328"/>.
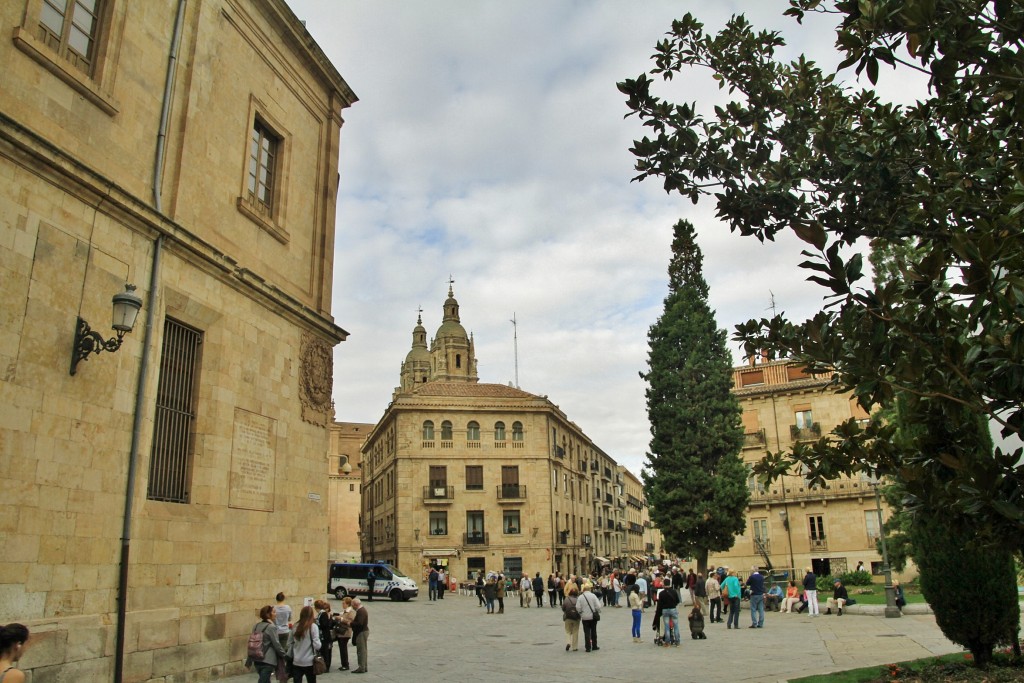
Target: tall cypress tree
<point x="696" y="482"/>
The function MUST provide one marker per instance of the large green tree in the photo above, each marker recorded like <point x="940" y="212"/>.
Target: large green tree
<point x="695" y="481"/>
<point x="798" y="150"/>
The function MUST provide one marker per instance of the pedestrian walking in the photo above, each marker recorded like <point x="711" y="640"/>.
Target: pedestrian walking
<point x="571" y="618"/>
<point x="590" y="613"/>
<point x="361" y="635"/>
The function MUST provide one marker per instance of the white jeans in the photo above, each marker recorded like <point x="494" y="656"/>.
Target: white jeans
<point x="812" y="602"/>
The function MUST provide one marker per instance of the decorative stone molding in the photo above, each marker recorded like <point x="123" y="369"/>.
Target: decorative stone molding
<point x="316" y="373"/>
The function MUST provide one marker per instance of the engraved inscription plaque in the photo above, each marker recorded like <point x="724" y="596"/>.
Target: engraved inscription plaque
<point x="252" y="461"/>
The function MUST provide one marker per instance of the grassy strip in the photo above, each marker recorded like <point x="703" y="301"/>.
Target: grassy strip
<point x="874" y="673"/>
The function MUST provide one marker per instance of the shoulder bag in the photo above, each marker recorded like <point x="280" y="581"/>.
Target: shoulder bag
<point x="319" y="665"/>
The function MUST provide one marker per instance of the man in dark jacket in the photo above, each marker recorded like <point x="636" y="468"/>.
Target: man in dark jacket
<point x="755" y="582"/>
<point x="538" y="589"/>
<point x="811" y="589"/>
<point x="839" y="598"/>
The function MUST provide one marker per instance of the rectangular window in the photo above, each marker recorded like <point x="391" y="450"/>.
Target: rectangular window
<point x="475" y="566"/>
<point x="262" y="167"/>
<point x="174" y="420"/>
<point x="510" y="522"/>
<point x="760" y="529"/>
<point x="804" y="419"/>
<point x="474" y="477"/>
<point x="351" y="487"/>
<point x="438" y="476"/>
<point x="871" y="525"/>
<point x="513" y="567"/>
<point x="817" y="529"/>
<point x="71" y="29"/>
<point x="439" y="523"/>
<point x="475" y="526"/>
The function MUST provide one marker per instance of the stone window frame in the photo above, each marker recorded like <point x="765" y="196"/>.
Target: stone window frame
<point x="270" y="216"/>
<point x="96" y="82"/>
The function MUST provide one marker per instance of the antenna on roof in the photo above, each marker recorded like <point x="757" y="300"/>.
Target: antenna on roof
<point x="771" y="305"/>
<point x="515" y="345"/>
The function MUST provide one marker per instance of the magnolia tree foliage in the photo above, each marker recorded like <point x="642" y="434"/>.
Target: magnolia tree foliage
<point x="695" y="482"/>
<point x="798" y="150"/>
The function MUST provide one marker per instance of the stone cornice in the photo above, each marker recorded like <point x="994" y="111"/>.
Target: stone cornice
<point x="66" y="172"/>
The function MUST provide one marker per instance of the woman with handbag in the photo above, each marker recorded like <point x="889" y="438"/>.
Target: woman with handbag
<point x="305" y="647"/>
<point x="589" y="608"/>
<point x="342" y="630"/>
<point x="324" y="622"/>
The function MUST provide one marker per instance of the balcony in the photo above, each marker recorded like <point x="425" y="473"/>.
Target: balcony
<point x="754" y="439"/>
<point x="597" y="496"/>
<point x="819" y="544"/>
<point x="427" y="444"/>
<point x="636" y="528"/>
<point x="810" y="433"/>
<point x="475" y="538"/>
<point x="649" y="547"/>
<point x="586" y="540"/>
<point x="447" y="444"/>
<point x="618" y="526"/>
<point x="559" y="452"/>
<point x="438" y="495"/>
<point x="511" y="493"/>
<point x="762" y="545"/>
<point x="594" y="467"/>
<point x="608" y="473"/>
<point x="609" y="524"/>
<point x="621" y="502"/>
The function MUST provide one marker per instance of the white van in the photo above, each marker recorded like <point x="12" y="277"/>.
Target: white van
<point x="349" y="578"/>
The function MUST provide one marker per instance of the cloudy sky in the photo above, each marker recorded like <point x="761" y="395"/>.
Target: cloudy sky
<point x="489" y="145"/>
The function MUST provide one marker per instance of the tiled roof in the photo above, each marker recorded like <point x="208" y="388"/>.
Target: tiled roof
<point x="471" y="389"/>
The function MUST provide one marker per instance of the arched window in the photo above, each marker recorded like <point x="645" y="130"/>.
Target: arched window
<point x="473" y="431"/>
<point x="428" y="430"/>
<point x="499" y="431"/>
<point x="446" y="431"/>
<point x="517" y="431"/>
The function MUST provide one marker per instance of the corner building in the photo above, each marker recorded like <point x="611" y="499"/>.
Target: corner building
<point x="791" y="522"/>
<point x="478" y="477"/>
<point x="154" y="498"/>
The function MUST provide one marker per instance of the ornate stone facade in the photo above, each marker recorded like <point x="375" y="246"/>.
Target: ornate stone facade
<point x="192" y="457"/>
<point x="481" y="477"/>
<point x="789" y="522"/>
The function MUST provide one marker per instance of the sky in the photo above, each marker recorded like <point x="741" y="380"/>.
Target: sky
<point x="489" y="146"/>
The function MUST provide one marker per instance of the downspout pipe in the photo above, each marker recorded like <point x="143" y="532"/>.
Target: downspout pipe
<point x="140" y="391"/>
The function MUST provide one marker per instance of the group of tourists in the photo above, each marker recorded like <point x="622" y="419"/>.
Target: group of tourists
<point x="282" y="648"/>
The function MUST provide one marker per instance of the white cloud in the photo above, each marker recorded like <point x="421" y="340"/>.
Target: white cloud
<point x="489" y="143"/>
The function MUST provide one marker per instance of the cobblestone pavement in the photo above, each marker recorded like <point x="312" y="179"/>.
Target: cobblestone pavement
<point x="455" y="640"/>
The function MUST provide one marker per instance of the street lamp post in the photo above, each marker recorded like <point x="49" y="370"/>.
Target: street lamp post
<point x="891" y="610"/>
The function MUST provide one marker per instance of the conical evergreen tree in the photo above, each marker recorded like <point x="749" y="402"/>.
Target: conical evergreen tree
<point x="696" y="484"/>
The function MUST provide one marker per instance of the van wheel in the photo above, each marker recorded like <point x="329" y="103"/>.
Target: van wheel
<point x="340" y="593"/>
<point x="395" y="595"/>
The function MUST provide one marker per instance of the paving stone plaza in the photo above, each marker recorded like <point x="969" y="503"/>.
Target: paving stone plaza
<point x="455" y="640"/>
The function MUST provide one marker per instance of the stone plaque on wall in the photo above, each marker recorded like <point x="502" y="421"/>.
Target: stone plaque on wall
<point x="253" y="446"/>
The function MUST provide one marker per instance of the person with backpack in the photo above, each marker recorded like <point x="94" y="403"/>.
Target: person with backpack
<point x="264" y="649"/>
<point x="571" y="618"/>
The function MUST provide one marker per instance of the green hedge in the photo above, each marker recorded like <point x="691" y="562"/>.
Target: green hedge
<point x="848" y="579"/>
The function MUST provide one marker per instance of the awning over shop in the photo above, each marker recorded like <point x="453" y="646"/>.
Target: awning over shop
<point x="440" y="552"/>
<point x="602" y="560"/>
<point x="638" y="558"/>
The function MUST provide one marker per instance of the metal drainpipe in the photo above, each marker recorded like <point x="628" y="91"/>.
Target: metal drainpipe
<point x="140" y="392"/>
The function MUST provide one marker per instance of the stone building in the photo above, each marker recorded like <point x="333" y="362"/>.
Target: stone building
<point x="344" y="465"/>
<point x="789" y="522"/>
<point x="152" y="499"/>
<point x="482" y="477"/>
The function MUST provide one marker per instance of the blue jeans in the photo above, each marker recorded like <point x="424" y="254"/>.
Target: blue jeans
<point x="757" y="610"/>
<point x="670" y="619"/>
<point x="733" y="618"/>
<point x="637" y="614"/>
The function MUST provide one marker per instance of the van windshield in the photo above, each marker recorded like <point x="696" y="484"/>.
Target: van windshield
<point x="394" y="571"/>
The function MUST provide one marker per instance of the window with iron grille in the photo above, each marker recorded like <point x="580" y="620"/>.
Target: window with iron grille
<point x="170" y="470"/>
